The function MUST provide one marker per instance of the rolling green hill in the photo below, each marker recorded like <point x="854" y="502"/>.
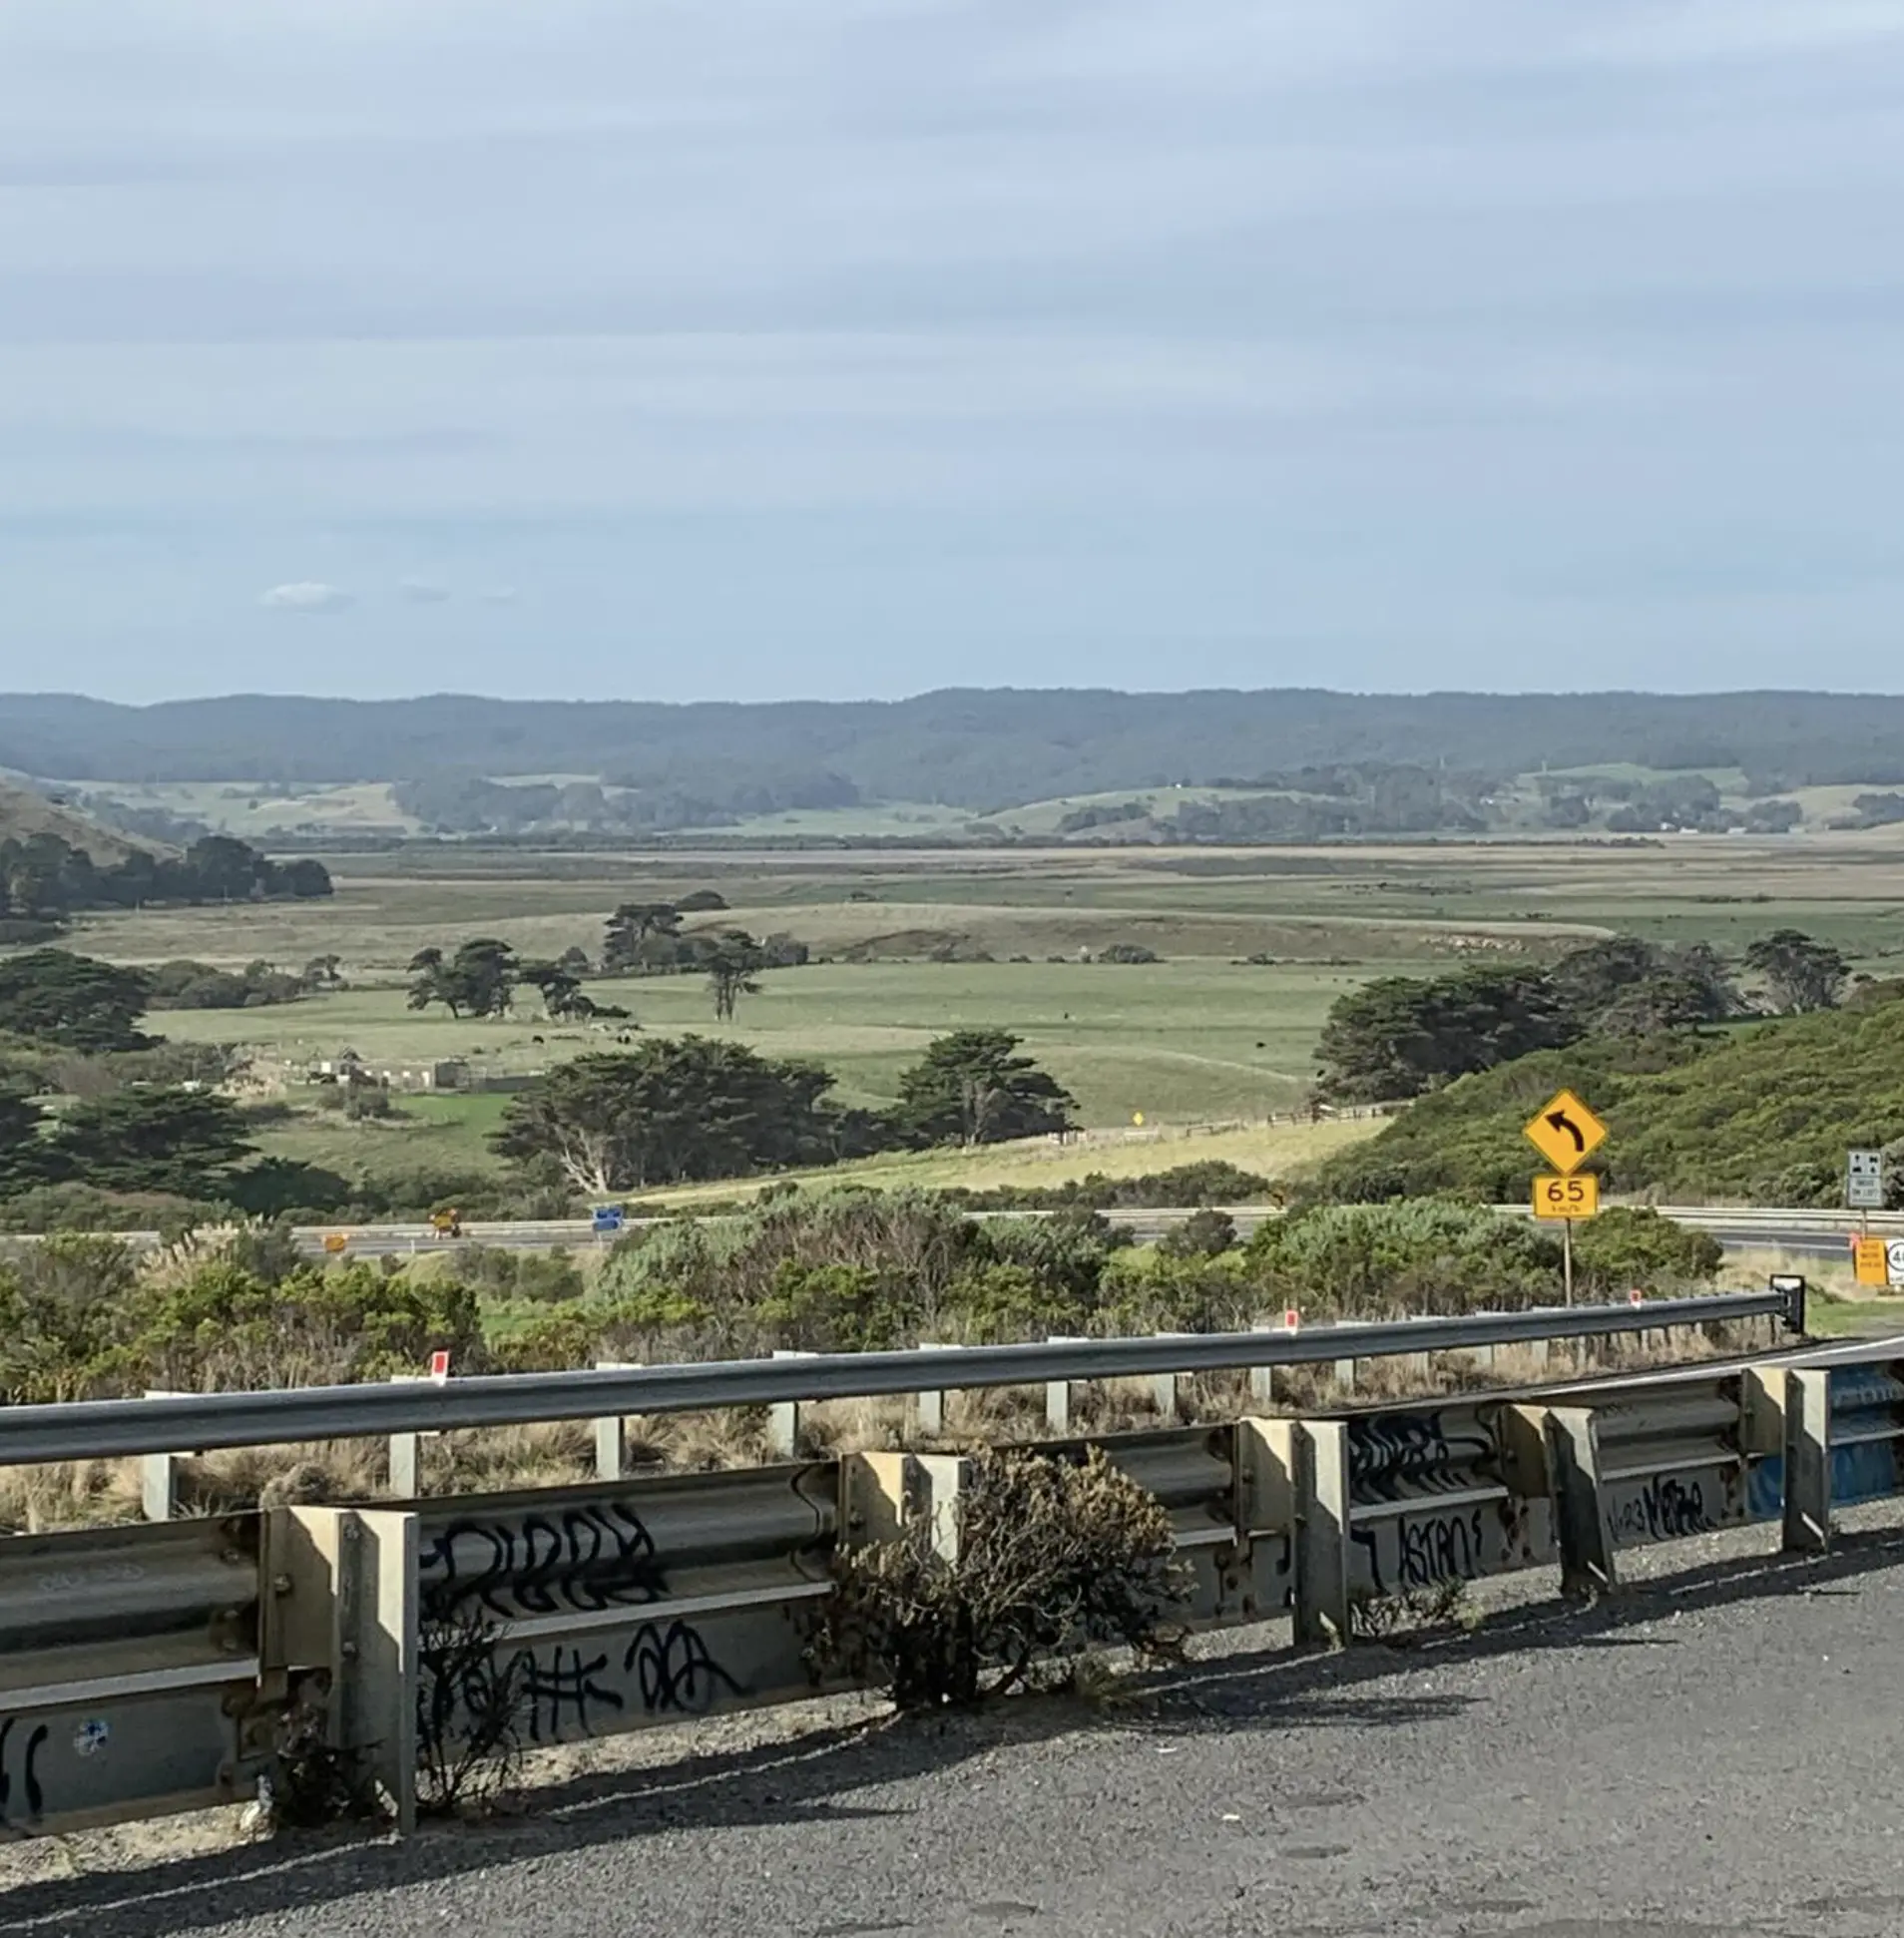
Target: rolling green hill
<point x="1760" y="1114"/>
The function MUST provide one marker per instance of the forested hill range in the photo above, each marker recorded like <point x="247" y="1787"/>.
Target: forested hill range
<point x="1289" y="765"/>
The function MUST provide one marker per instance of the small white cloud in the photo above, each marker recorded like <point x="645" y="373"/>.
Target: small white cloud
<point x="422" y="592"/>
<point x="497" y="595"/>
<point x="307" y="596"/>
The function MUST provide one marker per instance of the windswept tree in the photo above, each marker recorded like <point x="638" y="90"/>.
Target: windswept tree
<point x="563" y="996"/>
<point x="25" y="1157"/>
<point x="671" y="1109"/>
<point x="1626" y="986"/>
<point x="732" y="967"/>
<point x="972" y="1088"/>
<point x="72" y="1000"/>
<point x="1398" y="1036"/>
<point x="142" y="1138"/>
<point x="1800" y="973"/>
<point x="478" y="980"/>
<point x="626" y="943"/>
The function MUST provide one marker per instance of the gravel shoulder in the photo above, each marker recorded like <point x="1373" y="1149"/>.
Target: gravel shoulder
<point x="1712" y="1752"/>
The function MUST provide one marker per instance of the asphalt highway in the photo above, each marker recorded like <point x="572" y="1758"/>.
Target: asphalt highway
<point x="1711" y="1754"/>
<point x="1808" y="1233"/>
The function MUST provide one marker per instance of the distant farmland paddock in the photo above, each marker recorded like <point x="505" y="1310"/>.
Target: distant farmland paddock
<point x="1203" y="1035"/>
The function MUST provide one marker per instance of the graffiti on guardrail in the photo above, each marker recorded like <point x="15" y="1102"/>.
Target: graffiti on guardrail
<point x="1435" y="1549"/>
<point x="21" y="1761"/>
<point x="660" y="1672"/>
<point x="1395" y="1455"/>
<point x="583" y="1559"/>
<point x="1663" y="1507"/>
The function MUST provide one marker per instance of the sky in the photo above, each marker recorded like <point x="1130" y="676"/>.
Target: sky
<point x="843" y="349"/>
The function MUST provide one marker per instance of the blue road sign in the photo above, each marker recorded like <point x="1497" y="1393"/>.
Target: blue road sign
<point x="608" y="1218"/>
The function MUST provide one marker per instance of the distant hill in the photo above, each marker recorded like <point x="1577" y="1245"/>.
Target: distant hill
<point x="984" y="751"/>
<point x="24" y="813"/>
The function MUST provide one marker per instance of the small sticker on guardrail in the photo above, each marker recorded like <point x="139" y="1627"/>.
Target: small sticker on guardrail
<point x="91" y="1735"/>
<point x="439" y="1364"/>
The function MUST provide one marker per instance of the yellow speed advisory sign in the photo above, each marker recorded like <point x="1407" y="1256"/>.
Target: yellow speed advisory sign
<point x="1566" y="1198"/>
<point x="1564" y="1131"/>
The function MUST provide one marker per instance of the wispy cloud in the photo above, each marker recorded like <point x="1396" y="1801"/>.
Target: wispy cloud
<point x="307" y="596"/>
<point x="871" y="338"/>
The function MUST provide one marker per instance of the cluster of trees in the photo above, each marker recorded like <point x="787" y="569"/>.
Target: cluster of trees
<point x="183" y="984"/>
<point x="46" y="878"/>
<point x="1400" y="1036"/>
<point x="673" y="1110"/>
<point x="1763" y="1116"/>
<point x="481" y="976"/>
<point x="1310" y="805"/>
<point x="637" y="803"/>
<point x="162" y="1138"/>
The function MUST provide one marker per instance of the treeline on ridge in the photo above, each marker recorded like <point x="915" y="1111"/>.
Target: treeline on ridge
<point x="977" y="750"/>
<point x="43" y="879"/>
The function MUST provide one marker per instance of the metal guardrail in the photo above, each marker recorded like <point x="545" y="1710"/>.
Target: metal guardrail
<point x="149" y="1669"/>
<point x="91" y="1429"/>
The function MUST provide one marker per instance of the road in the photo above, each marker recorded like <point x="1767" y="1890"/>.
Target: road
<point x="1822" y="1234"/>
<point x="1712" y="1755"/>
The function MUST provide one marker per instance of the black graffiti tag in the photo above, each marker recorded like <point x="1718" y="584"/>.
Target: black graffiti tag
<point x="1394" y="1455"/>
<point x="1664" y="1509"/>
<point x="586" y="1559"/>
<point x="676" y="1674"/>
<point x="31" y="1792"/>
<point x="562" y="1684"/>
<point x="1441" y="1548"/>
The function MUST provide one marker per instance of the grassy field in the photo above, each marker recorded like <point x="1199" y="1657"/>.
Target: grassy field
<point x="1270" y="1151"/>
<point x="1180" y="1041"/>
<point x="1202" y="1036"/>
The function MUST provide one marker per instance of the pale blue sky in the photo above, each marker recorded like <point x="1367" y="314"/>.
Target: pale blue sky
<point x="848" y="347"/>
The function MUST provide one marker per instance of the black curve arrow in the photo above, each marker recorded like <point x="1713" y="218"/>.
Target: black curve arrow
<point x="1562" y="1122"/>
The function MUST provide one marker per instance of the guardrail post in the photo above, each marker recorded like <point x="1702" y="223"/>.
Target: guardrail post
<point x="1058" y="1391"/>
<point x="784" y="1416"/>
<point x="380" y="1644"/>
<point x="1807" y="1529"/>
<point x="159" y="1472"/>
<point x="1416" y="1365"/>
<point x="1166" y="1388"/>
<point x="1322" y="1532"/>
<point x="1342" y="1371"/>
<point x="611" y="1432"/>
<point x="1581" y="1521"/>
<point x="928" y="1409"/>
<point x="1267" y="1513"/>
<point x="406" y="1451"/>
<point x="885" y="1494"/>
<point x="1263" y="1379"/>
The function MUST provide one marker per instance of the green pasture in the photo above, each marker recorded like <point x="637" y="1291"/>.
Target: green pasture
<point x="1180" y="1042"/>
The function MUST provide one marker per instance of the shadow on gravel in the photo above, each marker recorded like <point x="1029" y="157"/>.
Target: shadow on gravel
<point x="815" y="1778"/>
